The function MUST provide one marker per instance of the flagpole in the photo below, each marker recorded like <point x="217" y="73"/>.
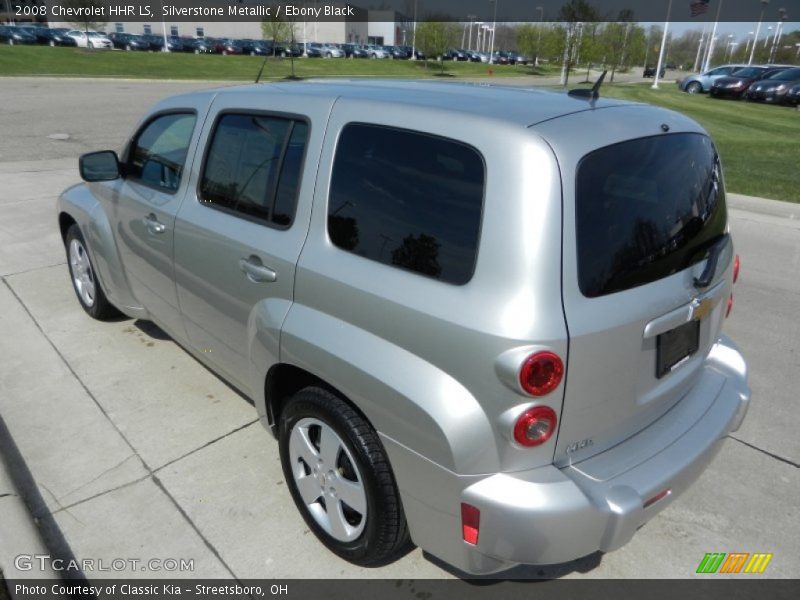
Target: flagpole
<point x="663" y="47"/>
<point x="713" y="37"/>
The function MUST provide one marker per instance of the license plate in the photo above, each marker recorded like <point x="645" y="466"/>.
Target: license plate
<point x="676" y="345"/>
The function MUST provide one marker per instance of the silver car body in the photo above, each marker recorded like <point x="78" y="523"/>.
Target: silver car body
<point x="434" y="366"/>
<point x="707" y="79"/>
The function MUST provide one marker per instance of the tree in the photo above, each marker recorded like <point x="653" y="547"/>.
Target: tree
<point x="277" y="30"/>
<point x="84" y="10"/>
<point x="573" y="14"/>
<point x="434" y="38"/>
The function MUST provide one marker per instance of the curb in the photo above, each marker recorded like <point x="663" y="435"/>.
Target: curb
<point x="774" y="208"/>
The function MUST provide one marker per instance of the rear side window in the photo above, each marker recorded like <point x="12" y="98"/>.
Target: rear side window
<point x="158" y="154"/>
<point x="646" y="209"/>
<point x="253" y="167"/>
<point x="407" y="199"/>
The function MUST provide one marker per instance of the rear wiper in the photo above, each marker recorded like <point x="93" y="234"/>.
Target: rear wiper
<point x="714" y="252"/>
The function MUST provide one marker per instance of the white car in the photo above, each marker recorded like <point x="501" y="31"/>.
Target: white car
<point x="90" y="39"/>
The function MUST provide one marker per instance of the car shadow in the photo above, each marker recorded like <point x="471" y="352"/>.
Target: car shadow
<point x="155" y="332"/>
<point x="523" y="573"/>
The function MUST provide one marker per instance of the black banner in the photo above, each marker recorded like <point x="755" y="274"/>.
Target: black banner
<point x="501" y="11"/>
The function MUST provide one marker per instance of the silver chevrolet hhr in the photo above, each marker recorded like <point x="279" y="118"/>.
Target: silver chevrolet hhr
<point x="484" y="320"/>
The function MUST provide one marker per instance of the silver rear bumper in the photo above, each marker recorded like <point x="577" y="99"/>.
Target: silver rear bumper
<point x="550" y="515"/>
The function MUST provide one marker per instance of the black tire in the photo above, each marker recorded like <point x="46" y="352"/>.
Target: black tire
<point x="97" y="306"/>
<point x="384" y="535"/>
<point x="694" y="88"/>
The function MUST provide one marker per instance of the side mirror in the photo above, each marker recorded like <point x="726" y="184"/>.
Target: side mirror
<point x="99" y="166"/>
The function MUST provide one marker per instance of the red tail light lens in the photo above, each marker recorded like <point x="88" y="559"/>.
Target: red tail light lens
<point x="541" y="373"/>
<point x="470" y="523"/>
<point x="535" y="426"/>
<point x="735" y="268"/>
<point x="730" y="306"/>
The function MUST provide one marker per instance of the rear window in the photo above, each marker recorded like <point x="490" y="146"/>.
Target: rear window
<point x="646" y="209"/>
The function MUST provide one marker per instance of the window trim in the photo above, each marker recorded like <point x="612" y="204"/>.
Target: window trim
<point x="247" y="112"/>
<point x="422" y="134"/>
<point x="132" y="142"/>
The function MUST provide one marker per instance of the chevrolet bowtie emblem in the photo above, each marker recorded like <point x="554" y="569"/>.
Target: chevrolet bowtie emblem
<point x="701" y="308"/>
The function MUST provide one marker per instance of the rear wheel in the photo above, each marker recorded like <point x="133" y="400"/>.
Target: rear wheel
<point x="340" y="478"/>
<point x="84" y="281"/>
<point x="694" y="88"/>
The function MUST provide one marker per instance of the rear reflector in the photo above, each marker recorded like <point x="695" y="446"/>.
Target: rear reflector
<point x="730" y="306"/>
<point x="735" y="268"/>
<point x="470" y="523"/>
<point x="535" y="426"/>
<point x="541" y="373"/>
<point x="657" y="497"/>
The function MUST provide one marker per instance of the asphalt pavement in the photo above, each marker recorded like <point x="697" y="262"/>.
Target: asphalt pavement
<point x="137" y="452"/>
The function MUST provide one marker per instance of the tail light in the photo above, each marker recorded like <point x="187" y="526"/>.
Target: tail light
<point x="470" y="523"/>
<point x="730" y="306"/>
<point x="535" y="426"/>
<point x="541" y="373"/>
<point x="735" y="268"/>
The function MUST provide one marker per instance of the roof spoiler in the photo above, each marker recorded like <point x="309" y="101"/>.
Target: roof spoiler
<point x="589" y="94"/>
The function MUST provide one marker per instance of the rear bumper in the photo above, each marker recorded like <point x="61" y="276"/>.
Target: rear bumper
<point x="550" y="515"/>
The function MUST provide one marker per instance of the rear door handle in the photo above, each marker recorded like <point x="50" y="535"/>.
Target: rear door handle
<point x="152" y="224"/>
<point x="256" y="271"/>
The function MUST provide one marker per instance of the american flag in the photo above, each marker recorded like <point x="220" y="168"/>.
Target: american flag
<point x="698" y="7"/>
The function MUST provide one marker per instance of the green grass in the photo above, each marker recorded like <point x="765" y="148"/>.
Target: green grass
<point x="759" y="144"/>
<point x="78" y="62"/>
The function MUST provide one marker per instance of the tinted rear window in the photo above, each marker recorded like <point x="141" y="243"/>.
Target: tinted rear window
<point x="407" y="199"/>
<point x="646" y="209"/>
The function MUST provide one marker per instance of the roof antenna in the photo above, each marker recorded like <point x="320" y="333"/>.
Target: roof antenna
<point x="261" y="70"/>
<point x="592" y="94"/>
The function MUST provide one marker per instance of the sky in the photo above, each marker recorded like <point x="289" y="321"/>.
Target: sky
<point x="739" y="30"/>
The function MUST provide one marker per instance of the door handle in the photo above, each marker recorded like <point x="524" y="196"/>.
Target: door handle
<point x="152" y="224"/>
<point x="256" y="271"/>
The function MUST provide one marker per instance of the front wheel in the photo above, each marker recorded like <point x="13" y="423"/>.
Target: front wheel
<point x="84" y="281"/>
<point x="694" y="88"/>
<point x="340" y="479"/>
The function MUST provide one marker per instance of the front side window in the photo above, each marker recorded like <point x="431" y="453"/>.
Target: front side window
<point x="646" y="209"/>
<point x="253" y="166"/>
<point x="158" y="155"/>
<point x="407" y="199"/>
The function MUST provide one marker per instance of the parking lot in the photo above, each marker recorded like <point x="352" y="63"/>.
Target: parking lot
<point x="139" y="452"/>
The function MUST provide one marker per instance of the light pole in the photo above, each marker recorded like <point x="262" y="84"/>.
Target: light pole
<point x="494" y="28"/>
<point x="414" y="35"/>
<point x="164" y="29"/>
<point x="662" y="49"/>
<point x="773" y="55"/>
<point x="758" y="29"/>
<point x="769" y="35"/>
<point x="539" y="35"/>
<point x="729" y="48"/>
<point x="747" y="46"/>
<point x="471" y="23"/>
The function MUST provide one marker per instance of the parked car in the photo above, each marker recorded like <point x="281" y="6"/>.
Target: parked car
<point x="397" y="52"/>
<point x="354" y="51"/>
<point x="15" y="35"/>
<point x="315" y="50"/>
<point x="90" y="39"/>
<point x="455" y="54"/>
<point x="441" y="360"/>
<point x="286" y="50"/>
<point x="415" y="52"/>
<point x="516" y="58"/>
<point x="651" y="72"/>
<point x="227" y="46"/>
<point x="793" y="95"/>
<point x="701" y="82"/>
<point x="202" y="45"/>
<point x="49" y="37"/>
<point x="256" y="47"/>
<point x="775" y="87"/>
<point x="737" y="83"/>
<point x="374" y="51"/>
<point x="128" y="41"/>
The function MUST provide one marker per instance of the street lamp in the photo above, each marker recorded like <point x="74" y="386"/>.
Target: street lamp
<point x="769" y="35"/>
<point x="758" y="29"/>
<point x="729" y="48"/>
<point x="747" y="46"/>
<point x="414" y="35"/>
<point x="471" y="23"/>
<point x="776" y="42"/>
<point x="494" y="28"/>
<point x="539" y="36"/>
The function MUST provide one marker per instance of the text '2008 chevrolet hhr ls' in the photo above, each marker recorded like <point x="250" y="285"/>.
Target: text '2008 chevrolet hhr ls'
<point x="484" y="320"/>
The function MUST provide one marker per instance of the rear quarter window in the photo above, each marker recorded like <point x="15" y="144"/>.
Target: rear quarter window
<point x="407" y="199"/>
<point x="645" y="209"/>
